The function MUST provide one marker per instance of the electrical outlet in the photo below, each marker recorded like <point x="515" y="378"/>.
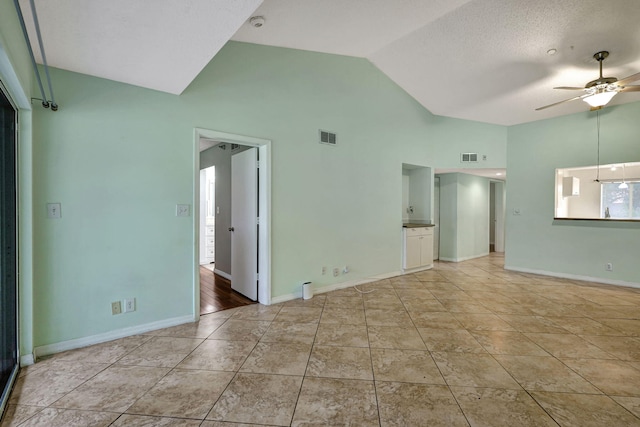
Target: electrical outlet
<point x="336" y="272"/>
<point x="53" y="211"/>
<point x="182" y="210"/>
<point x="324" y="270"/>
<point x="129" y="305"/>
<point x="609" y="266"/>
<point x="116" y="308"/>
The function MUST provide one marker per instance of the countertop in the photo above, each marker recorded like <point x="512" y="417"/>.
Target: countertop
<point x="416" y="225"/>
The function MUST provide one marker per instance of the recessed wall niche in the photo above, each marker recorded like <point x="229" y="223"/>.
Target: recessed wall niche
<point x="417" y="186"/>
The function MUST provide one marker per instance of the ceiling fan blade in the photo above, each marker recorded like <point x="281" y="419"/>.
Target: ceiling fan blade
<point x="562" y="102"/>
<point x="632" y="88"/>
<point x="569" y="88"/>
<point x="631" y="78"/>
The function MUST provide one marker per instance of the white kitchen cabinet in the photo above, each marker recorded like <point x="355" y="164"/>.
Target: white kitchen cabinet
<point x="418" y="248"/>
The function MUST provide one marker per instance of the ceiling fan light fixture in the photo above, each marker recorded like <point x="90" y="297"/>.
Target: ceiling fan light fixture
<point x="599" y="98"/>
<point x="624" y="185"/>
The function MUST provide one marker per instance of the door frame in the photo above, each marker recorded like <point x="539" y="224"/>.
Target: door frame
<point x="500" y="212"/>
<point x="264" y="203"/>
<point x="5" y="391"/>
<point x="18" y="96"/>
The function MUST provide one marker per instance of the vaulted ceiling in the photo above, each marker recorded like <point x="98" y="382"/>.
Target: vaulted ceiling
<point x="483" y="60"/>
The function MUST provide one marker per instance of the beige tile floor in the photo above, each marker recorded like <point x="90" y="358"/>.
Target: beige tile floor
<point x="463" y="344"/>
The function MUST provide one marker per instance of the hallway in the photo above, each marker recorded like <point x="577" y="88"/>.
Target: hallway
<point x="216" y="293"/>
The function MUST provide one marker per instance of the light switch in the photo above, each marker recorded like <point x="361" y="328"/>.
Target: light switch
<point x="53" y="211"/>
<point x="182" y="210"/>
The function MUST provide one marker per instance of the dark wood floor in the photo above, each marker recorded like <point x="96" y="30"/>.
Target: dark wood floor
<point x="216" y="293"/>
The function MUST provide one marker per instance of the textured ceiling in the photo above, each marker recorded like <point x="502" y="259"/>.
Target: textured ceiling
<point x="487" y="60"/>
<point x="157" y="44"/>
<point x="343" y="27"/>
<point x="482" y="60"/>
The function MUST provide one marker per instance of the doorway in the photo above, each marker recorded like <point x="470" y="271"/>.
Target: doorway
<point x="221" y="267"/>
<point x="225" y="145"/>
<point x="496" y="216"/>
<point x="8" y="255"/>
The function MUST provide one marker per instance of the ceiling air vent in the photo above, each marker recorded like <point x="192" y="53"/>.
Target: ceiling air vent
<point x="469" y="157"/>
<point x="327" y="137"/>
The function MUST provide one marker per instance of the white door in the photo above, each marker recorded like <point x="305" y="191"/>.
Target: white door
<point x="244" y="228"/>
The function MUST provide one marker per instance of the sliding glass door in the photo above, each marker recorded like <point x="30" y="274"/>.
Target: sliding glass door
<point x="8" y="248"/>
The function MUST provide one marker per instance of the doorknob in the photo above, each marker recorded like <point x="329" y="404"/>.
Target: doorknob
<point x="231" y="229"/>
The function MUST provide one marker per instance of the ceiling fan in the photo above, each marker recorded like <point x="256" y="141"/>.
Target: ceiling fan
<point x="600" y="91"/>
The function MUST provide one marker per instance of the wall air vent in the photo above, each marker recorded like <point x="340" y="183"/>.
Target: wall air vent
<point x="469" y="157"/>
<point x="327" y="137"/>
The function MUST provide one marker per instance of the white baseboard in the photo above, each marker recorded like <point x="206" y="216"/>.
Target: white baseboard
<point x="27" y="360"/>
<point x="222" y="274"/>
<point x="286" y="297"/>
<point x="334" y="287"/>
<point x="417" y="269"/>
<point x="108" y="336"/>
<point x="573" y="276"/>
<point x="463" y="258"/>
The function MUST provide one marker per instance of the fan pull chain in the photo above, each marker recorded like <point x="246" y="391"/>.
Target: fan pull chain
<point x="598" y="126"/>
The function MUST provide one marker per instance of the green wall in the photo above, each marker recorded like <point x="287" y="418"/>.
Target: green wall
<point x="119" y="158"/>
<point x="448" y="216"/>
<point x="534" y="240"/>
<point x="464" y="216"/>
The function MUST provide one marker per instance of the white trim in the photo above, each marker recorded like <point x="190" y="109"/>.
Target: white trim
<point x="11" y="80"/>
<point x="417" y="269"/>
<point x="222" y="274"/>
<point x="108" y="336"/>
<point x="574" y="277"/>
<point x="11" y="88"/>
<point x="334" y="287"/>
<point x="27" y="360"/>
<point x="464" y="258"/>
<point x="264" y="201"/>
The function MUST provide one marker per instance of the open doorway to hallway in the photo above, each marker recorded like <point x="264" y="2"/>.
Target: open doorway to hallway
<point x="218" y="182"/>
<point x="259" y="271"/>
